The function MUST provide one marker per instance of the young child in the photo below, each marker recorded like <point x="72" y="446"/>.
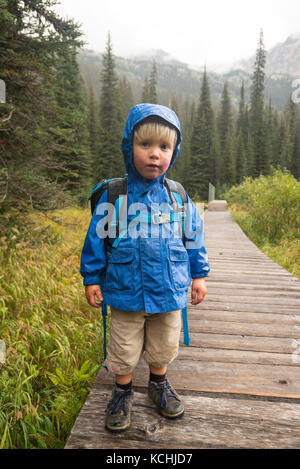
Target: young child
<point x="148" y="274"/>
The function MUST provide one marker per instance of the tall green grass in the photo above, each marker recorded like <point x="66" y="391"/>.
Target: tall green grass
<point x="53" y="337"/>
<point x="268" y="210"/>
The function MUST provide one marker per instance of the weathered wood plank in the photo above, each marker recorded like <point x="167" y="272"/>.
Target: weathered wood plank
<point x="261" y="287"/>
<point x="239" y="342"/>
<point x="293" y="302"/>
<point x="221" y="377"/>
<point x="244" y="316"/>
<point x="250" y="290"/>
<point x="236" y="356"/>
<point x="258" y="308"/>
<point x="249" y="329"/>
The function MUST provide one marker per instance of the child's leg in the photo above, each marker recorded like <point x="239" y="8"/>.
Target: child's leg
<point x="158" y="371"/>
<point x="123" y="379"/>
<point x="124" y="349"/>
<point x="161" y="347"/>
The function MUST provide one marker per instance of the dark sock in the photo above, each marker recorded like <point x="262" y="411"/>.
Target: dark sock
<point x="125" y="387"/>
<point x="157" y="378"/>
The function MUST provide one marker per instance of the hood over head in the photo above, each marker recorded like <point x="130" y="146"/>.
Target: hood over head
<point x="139" y="113"/>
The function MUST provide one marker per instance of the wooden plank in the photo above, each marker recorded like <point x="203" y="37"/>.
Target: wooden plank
<point x="253" y="280"/>
<point x="248" y="291"/>
<point x="255" y="299"/>
<point x="244" y="316"/>
<point x="208" y="422"/>
<point x="290" y="289"/>
<point x="221" y="377"/>
<point x="239" y="342"/>
<point x="242" y="328"/>
<point x="235" y="356"/>
<point x="259" y="308"/>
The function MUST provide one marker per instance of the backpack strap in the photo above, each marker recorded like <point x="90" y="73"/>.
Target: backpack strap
<point x="178" y="196"/>
<point x="179" y="199"/>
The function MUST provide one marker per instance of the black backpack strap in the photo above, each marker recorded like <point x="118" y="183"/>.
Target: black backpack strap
<point x="118" y="188"/>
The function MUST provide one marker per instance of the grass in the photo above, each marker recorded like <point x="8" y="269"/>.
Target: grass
<point x="285" y="251"/>
<point x="53" y="338"/>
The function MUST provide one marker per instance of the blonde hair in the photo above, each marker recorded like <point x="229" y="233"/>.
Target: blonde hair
<point x="155" y="128"/>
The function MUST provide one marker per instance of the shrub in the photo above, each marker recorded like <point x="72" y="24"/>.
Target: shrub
<point x="272" y="204"/>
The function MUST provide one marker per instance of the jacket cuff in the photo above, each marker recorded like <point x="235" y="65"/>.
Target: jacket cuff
<point x="200" y="275"/>
<point x="91" y="280"/>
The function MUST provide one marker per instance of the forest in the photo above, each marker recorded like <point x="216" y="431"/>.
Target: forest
<point x="58" y="139"/>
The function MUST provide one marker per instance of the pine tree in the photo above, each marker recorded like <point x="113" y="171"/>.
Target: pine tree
<point x="93" y="125"/>
<point x="153" y="84"/>
<point x="295" y="159"/>
<point x="126" y="97"/>
<point x="202" y="144"/>
<point x="225" y="129"/>
<point x="257" y="127"/>
<point x="109" y="162"/>
<point x="240" y="157"/>
<point x="34" y="137"/>
<point x="145" y="91"/>
<point x="291" y="113"/>
<point x="74" y="154"/>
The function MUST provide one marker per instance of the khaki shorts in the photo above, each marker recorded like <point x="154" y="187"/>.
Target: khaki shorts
<point x="136" y="334"/>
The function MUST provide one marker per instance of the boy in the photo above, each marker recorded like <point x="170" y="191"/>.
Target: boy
<point x="148" y="274"/>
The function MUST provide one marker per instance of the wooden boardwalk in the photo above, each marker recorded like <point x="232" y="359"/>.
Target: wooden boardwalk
<point x="240" y="376"/>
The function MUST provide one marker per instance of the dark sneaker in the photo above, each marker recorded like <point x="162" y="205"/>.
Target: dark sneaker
<point x="118" y="410"/>
<point x="168" y="402"/>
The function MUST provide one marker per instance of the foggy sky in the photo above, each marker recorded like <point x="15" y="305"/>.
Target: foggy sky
<point x="193" y="31"/>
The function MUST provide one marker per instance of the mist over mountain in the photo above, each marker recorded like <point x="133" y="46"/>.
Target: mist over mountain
<point x="183" y="81"/>
<point x="283" y="58"/>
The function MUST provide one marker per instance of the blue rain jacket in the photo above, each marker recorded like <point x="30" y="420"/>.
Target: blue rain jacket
<point x="152" y="266"/>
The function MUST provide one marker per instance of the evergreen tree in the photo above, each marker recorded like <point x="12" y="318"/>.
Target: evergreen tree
<point x="74" y="153"/>
<point x="126" y="97"/>
<point x="240" y="157"/>
<point x="93" y="126"/>
<point x="225" y="129"/>
<point x="257" y="127"/>
<point x="202" y="144"/>
<point x="153" y="84"/>
<point x="291" y="113"/>
<point x="145" y="91"/>
<point x="295" y="159"/>
<point x="34" y="134"/>
<point x="109" y="162"/>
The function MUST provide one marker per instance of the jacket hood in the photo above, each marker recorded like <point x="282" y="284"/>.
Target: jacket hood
<point x="137" y="114"/>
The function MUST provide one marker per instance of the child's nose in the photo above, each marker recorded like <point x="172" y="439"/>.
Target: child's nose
<point x="155" y="152"/>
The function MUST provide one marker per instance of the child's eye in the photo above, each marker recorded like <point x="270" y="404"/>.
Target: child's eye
<point x="145" y="144"/>
<point x="164" y="147"/>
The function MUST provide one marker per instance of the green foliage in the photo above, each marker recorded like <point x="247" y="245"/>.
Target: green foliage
<point x="109" y="160"/>
<point x="53" y="338"/>
<point x="271" y="204"/>
<point x="43" y="131"/>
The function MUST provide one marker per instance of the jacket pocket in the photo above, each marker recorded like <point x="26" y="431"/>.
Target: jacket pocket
<point x="119" y="273"/>
<point x="180" y="266"/>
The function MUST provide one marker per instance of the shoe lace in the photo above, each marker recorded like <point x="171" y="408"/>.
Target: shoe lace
<point x="118" y="401"/>
<point x="166" y="391"/>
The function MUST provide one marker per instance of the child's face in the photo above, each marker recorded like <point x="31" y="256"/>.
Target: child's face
<point x="152" y="156"/>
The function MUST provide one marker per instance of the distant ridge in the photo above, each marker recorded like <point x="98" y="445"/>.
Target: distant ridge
<point x="182" y="80"/>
